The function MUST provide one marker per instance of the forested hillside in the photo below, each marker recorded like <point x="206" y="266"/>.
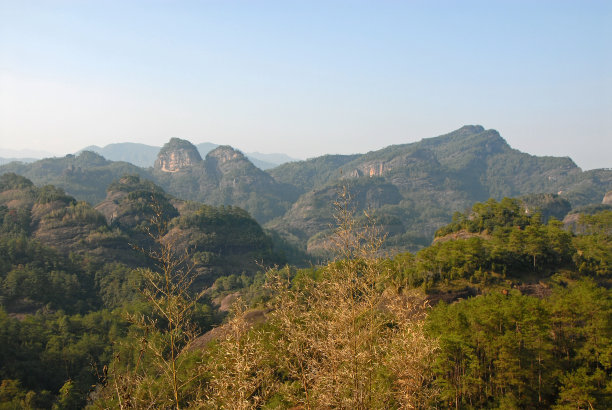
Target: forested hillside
<point x="84" y="176"/>
<point x="520" y="317"/>
<point x="508" y="308"/>
<point x="412" y="189"/>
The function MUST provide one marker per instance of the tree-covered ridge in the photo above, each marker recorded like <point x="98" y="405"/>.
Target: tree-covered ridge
<point x="434" y="178"/>
<point x="312" y="173"/>
<point x="84" y="176"/>
<point x="312" y="216"/>
<point x="533" y="331"/>
<point x="13" y="181"/>
<point x="129" y="204"/>
<point x="488" y="216"/>
<point x="68" y="277"/>
<point x="54" y="247"/>
<point x="438" y="176"/>
<point x="223" y="239"/>
<point x="536" y="337"/>
<point x="499" y="244"/>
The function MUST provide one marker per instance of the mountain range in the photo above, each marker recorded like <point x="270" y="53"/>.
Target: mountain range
<point x="144" y="155"/>
<point x="410" y="189"/>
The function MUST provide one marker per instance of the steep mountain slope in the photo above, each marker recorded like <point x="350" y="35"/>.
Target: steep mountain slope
<point x="220" y="240"/>
<point x="224" y="177"/>
<point x="434" y="178"/>
<point x="312" y="173"/>
<point x="57" y="220"/>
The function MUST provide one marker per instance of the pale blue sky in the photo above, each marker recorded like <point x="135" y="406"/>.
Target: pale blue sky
<point x="306" y="77"/>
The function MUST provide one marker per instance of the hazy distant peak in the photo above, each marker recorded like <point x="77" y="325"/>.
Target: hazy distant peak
<point x="273" y="158"/>
<point x="24" y="153"/>
<point x="94" y="148"/>
<point x="138" y="154"/>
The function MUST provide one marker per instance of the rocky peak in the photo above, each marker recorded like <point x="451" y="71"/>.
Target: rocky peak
<point x="226" y="158"/>
<point x="177" y="154"/>
<point x="225" y="153"/>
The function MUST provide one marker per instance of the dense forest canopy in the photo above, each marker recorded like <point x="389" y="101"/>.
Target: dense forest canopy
<point x="507" y="308"/>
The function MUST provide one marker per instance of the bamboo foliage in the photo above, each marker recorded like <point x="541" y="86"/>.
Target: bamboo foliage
<point x="241" y="376"/>
<point x="153" y="374"/>
<point x="339" y="340"/>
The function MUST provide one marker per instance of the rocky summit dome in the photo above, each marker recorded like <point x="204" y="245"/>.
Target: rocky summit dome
<point x="176" y="155"/>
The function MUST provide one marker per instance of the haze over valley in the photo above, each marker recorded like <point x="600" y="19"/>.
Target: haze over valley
<point x="305" y="205"/>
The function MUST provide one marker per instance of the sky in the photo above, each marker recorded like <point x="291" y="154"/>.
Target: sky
<point x="306" y="78"/>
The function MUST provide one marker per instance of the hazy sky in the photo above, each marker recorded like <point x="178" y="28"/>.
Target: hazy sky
<point x="306" y="77"/>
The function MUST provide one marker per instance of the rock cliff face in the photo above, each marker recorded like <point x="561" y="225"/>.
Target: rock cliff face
<point x="225" y="155"/>
<point x="224" y="177"/>
<point x="177" y="155"/>
<point x="607" y="198"/>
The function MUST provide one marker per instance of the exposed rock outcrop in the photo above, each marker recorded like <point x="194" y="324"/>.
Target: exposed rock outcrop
<point x="176" y="155"/>
<point x="225" y="155"/>
<point x="607" y="200"/>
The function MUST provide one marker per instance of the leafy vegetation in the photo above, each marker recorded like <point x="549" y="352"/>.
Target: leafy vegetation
<point x="70" y="282"/>
<point x="517" y="351"/>
<point x="506" y="309"/>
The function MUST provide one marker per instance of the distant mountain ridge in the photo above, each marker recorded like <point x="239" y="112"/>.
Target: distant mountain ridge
<point x="414" y="188"/>
<point x="9" y="160"/>
<point x="141" y="155"/>
<point x="24" y="153"/>
<point x="410" y="189"/>
<point x="144" y="155"/>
